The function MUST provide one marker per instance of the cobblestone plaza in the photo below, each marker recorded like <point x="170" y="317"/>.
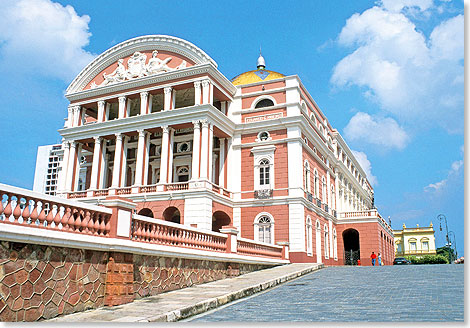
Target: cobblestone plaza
<point x="345" y="294"/>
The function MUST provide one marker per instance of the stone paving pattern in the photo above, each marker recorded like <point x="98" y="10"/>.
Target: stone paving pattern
<point x="349" y="294"/>
<point x="40" y="282"/>
<point x="183" y="303"/>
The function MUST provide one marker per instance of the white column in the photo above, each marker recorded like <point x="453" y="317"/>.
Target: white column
<point x="64" y="165"/>
<point x="206" y="92"/>
<point x="164" y="155"/>
<point x="95" y="168"/>
<point x="196" y="147"/>
<point x="204" y="149"/>
<point x="223" y="107"/>
<point x="117" y="161"/>
<point x="328" y="190"/>
<point x="211" y="151"/>
<point x="78" y="155"/>
<point x="124" y="161"/>
<point x="76" y="115"/>
<point x="167" y="100"/>
<point x="139" y="166"/>
<point x="71" y="165"/>
<point x="101" y="111"/>
<point x="170" y="156"/>
<point x="106" y="114"/>
<point x="197" y="92"/>
<point x="144" y="97"/>
<point x="122" y="107"/>
<point x="336" y="193"/>
<point x="150" y="102"/>
<point x="103" y="166"/>
<point x="222" y="163"/>
<point x="70" y="116"/>
<point x="146" y="159"/>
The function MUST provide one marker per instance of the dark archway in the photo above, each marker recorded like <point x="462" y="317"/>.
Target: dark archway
<point x="146" y="212"/>
<point x="172" y="214"/>
<point x="220" y="219"/>
<point x="352" y="251"/>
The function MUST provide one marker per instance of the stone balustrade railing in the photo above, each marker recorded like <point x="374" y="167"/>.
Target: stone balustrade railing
<point x="27" y="208"/>
<point x="172" y="234"/>
<point x="359" y="214"/>
<point x="250" y="247"/>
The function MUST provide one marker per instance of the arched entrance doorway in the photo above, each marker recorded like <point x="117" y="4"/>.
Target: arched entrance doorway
<point x="146" y="212"/>
<point x="172" y="214"/>
<point x="220" y="219"/>
<point x="352" y="251"/>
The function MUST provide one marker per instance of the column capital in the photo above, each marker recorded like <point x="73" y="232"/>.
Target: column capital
<point x="70" y="108"/>
<point x="168" y="90"/>
<point x="196" y="124"/>
<point x="98" y="139"/>
<point x="165" y="129"/>
<point x="101" y="103"/>
<point x="206" y="83"/>
<point x="204" y="123"/>
<point x="72" y="143"/>
<point x="119" y="136"/>
<point x="122" y="99"/>
<point x="76" y="108"/>
<point x="197" y="84"/>
<point x="142" y="133"/>
<point x="144" y="95"/>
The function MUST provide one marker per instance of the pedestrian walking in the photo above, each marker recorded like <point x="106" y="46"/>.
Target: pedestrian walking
<point x="373" y="257"/>
<point x="379" y="259"/>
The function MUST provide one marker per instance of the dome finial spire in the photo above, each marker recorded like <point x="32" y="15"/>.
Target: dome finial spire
<point x="261" y="63"/>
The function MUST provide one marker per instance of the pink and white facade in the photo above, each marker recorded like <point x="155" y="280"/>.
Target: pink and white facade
<point x="153" y="120"/>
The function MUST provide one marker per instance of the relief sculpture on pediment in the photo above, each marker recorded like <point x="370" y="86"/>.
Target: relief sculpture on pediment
<point x="137" y="67"/>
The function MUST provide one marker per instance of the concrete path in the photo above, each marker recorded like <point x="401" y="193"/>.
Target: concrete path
<point x="183" y="303"/>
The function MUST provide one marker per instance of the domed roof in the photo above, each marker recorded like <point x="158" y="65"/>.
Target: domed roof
<point x="258" y="75"/>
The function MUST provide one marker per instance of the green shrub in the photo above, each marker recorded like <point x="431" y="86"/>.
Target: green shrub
<point x="427" y="259"/>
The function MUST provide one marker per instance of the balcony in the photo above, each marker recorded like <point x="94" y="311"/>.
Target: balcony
<point x="156" y="188"/>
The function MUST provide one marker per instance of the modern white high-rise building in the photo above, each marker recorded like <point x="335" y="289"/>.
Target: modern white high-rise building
<point x="48" y="166"/>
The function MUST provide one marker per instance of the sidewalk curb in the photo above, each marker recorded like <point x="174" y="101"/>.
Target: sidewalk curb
<point x="213" y="303"/>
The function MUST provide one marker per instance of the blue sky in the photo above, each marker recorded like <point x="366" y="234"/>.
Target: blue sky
<point x="388" y="74"/>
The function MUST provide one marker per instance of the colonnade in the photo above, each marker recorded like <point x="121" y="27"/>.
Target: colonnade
<point x="202" y="159"/>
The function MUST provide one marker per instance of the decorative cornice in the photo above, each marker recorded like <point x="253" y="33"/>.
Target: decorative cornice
<point x="153" y="79"/>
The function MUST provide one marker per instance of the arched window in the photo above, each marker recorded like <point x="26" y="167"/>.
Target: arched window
<point x="304" y="107"/>
<point x="264" y="228"/>
<point x="264" y="103"/>
<point x="317" y="184"/>
<point x="335" y="245"/>
<point x="312" y="117"/>
<point x="323" y="190"/>
<point x="412" y="243"/>
<point x="183" y="174"/>
<point x="309" y="236"/>
<point x="264" y="173"/>
<point x="307" y="176"/>
<point x="425" y="244"/>
<point x="325" y="234"/>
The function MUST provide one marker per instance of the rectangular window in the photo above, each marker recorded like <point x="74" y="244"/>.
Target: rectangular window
<point x="413" y="246"/>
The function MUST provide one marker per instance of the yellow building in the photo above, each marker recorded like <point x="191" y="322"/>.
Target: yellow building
<point x="414" y="241"/>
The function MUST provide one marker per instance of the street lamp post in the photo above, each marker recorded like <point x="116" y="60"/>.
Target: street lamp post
<point x="441" y="217"/>
<point x="455" y="245"/>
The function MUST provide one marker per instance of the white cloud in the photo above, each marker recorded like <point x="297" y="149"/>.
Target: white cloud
<point x="415" y="79"/>
<point x="366" y="166"/>
<point x="398" y="5"/>
<point x="454" y="172"/>
<point x="383" y="132"/>
<point x="43" y="37"/>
